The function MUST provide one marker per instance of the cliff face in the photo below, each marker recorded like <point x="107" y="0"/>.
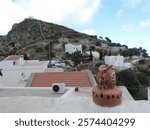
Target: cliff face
<point x="32" y="36"/>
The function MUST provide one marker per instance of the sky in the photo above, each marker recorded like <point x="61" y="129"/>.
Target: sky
<point x="123" y="21"/>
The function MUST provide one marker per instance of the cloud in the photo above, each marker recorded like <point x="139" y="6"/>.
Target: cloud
<point x="140" y="26"/>
<point x="127" y="28"/>
<point x="119" y="13"/>
<point x="88" y="10"/>
<point x="131" y="3"/>
<point x="144" y="23"/>
<point x="58" y="11"/>
<point x="89" y="31"/>
<point x="9" y="13"/>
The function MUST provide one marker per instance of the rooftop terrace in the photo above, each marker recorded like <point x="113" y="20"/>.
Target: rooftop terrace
<point x="43" y="100"/>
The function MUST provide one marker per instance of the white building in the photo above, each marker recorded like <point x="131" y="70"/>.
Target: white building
<point x="114" y="60"/>
<point x="94" y="53"/>
<point x="127" y="65"/>
<point x="117" y="61"/>
<point x="117" y="49"/>
<point x="71" y="48"/>
<point x="58" y="63"/>
<point x="16" y="70"/>
<point x="104" y="45"/>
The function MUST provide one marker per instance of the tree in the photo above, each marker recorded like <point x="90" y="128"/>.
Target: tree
<point x="118" y="44"/>
<point x="142" y="61"/>
<point x="76" y="57"/>
<point x="140" y="49"/>
<point x="12" y="44"/>
<point x="97" y="65"/>
<point x="105" y="52"/>
<point x="84" y="47"/>
<point x="50" y="50"/>
<point x="145" y="54"/>
<point x="25" y="56"/>
<point x="143" y="79"/>
<point x="124" y="53"/>
<point x="101" y="55"/>
<point x="63" y="45"/>
<point x="39" y="49"/>
<point x="98" y="43"/>
<point x="46" y="47"/>
<point x="107" y="39"/>
<point x="109" y="54"/>
<point x="100" y="37"/>
<point x="51" y="54"/>
<point x="125" y="77"/>
<point x="125" y="46"/>
<point x="91" y="56"/>
<point x="134" y="82"/>
<point x="92" y="48"/>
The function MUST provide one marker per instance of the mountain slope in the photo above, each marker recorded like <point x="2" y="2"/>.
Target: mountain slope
<point x="31" y="34"/>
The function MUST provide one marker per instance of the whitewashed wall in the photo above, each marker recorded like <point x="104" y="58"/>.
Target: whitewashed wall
<point x="17" y="75"/>
<point x="70" y="48"/>
<point x="114" y="60"/>
<point x="1" y="84"/>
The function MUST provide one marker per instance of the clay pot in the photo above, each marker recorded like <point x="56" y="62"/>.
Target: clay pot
<point x="106" y="93"/>
<point x="107" y="97"/>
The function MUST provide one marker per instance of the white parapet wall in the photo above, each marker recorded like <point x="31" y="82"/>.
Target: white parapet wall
<point x="1" y="81"/>
<point x="31" y="100"/>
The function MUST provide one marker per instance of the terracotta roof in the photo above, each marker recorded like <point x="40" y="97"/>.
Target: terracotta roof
<point x="71" y="79"/>
<point x="13" y="57"/>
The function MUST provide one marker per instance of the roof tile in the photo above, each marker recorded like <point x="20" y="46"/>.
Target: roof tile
<point x="13" y="57"/>
<point x="71" y="79"/>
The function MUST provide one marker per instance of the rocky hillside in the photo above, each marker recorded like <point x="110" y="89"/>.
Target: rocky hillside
<point x="32" y="36"/>
<point x="38" y="39"/>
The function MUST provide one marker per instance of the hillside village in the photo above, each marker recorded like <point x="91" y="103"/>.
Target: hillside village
<point x="35" y="56"/>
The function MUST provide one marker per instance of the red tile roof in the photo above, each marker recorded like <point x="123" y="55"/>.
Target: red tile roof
<point x="13" y="57"/>
<point x="71" y="79"/>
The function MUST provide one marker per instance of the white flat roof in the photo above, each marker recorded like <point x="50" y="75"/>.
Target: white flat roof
<point x="33" y="63"/>
<point x="28" y="91"/>
<point x="71" y="101"/>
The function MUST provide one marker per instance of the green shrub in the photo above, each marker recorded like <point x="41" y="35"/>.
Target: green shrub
<point x="139" y="93"/>
<point x="97" y="65"/>
<point x="46" y="47"/>
<point x="145" y="71"/>
<point x="128" y="77"/>
<point x="39" y="49"/>
<point x="141" y="61"/>
<point x="136" y="83"/>
<point x="143" y="79"/>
